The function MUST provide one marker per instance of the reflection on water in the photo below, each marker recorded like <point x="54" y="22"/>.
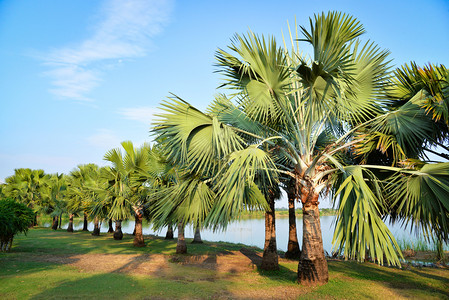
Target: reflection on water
<point x="250" y="231"/>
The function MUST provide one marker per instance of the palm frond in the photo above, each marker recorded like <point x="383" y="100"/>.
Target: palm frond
<point x="420" y="198"/>
<point x="359" y="228"/>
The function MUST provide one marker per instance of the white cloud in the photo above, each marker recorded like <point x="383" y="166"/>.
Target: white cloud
<point x="144" y="114"/>
<point x="124" y="32"/>
<point x="104" y="139"/>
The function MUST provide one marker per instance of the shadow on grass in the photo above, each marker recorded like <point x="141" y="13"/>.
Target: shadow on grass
<point x="18" y="264"/>
<point x="42" y="243"/>
<point x="394" y="278"/>
<point x="94" y="287"/>
<point x="283" y="275"/>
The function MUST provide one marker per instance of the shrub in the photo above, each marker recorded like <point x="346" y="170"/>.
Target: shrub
<point x="14" y="218"/>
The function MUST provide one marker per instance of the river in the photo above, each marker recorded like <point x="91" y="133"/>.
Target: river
<point x="251" y="231"/>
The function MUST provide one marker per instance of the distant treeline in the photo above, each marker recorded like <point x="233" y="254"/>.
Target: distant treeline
<point x="283" y="213"/>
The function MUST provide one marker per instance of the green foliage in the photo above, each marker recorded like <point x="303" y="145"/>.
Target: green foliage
<point x="420" y="197"/>
<point x="127" y="182"/>
<point x="27" y="186"/>
<point x="14" y="218"/>
<point x="359" y="228"/>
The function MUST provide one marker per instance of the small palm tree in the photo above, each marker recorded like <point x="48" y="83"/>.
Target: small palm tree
<point x="127" y="192"/>
<point x="80" y="196"/>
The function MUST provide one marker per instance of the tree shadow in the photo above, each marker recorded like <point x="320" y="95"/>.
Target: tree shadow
<point x="396" y="279"/>
<point x="93" y="287"/>
<point x="283" y="275"/>
<point x="23" y="263"/>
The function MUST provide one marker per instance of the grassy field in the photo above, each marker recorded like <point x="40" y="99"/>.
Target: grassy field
<point x="58" y="265"/>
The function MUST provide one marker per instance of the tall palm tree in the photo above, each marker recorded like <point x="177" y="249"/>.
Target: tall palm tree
<point x="295" y="121"/>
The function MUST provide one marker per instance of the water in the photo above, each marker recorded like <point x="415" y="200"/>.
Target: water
<point x="252" y="231"/>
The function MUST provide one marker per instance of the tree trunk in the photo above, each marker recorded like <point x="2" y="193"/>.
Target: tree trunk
<point x="6" y="243"/>
<point x="96" y="231"/>
<point x="36" y="220"/>
<point x="60" y="221"/>
<point x="169" y="234"/>
<point x="70" y="227"/>
<point x="138" y="237"/>
<point x="293" y="251"/>
<point x="118" y="234"/>
<point x="312" y="267"/>
<point x="270" y="254"/>
<point x="181" y="247"/>
<point x="197" y="237"/>
<point x="55" y="223"/>
<point x="110" y="229"/>
<point x="85" y="222"/>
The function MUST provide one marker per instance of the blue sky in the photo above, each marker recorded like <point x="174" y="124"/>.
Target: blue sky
<point x="79" y="77"/>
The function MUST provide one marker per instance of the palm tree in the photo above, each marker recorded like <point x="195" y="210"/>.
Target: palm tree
<point x="127" y="191"/>
<point x="80" y="196"/>
<point x="26" y="186"/>
<point x="186" y="201"/>
<point x="295" y="122"/>
<point x="54" y="198"/>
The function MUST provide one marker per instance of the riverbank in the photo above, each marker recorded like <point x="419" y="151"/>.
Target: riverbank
<point x="283" y="213"/>
<point x="58" y="264"/>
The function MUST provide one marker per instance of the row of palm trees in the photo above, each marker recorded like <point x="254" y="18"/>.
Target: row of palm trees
<point x="114" y="193"/>
<point x="339" y="123"/>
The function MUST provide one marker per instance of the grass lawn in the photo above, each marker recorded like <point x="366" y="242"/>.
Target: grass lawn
<point x="48" y="264"/>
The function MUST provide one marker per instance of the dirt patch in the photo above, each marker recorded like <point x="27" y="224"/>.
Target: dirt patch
<point x="152" y="264"/>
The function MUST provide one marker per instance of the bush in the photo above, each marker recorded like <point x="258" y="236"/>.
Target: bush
<point x="14" y="218"/>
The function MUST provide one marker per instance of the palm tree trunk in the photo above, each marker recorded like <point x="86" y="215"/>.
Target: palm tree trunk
<point x="312" y="267"/>
<point x="55" y="223"/>
<point x="293" y="251"/>
<point x="70" y="227"/>
<point x="270" y="254"/>
<point x="118" y="234"/>
<point x="181" y="247"/>
<point x="110" y="229"/>
<point x="138" y="237"/>
<point x="85" y="222"/>
<point x="60" y="221"/>
<point x="197" y="237"/>
<point x="169" y="234"/>
<point x="96" y="231"/>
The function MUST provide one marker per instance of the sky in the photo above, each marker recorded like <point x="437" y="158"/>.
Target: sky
<point x="79" y="77"/>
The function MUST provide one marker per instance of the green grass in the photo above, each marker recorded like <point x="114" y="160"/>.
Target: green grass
<point x="31" y="272"/>
<point x="418" y="245"/>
